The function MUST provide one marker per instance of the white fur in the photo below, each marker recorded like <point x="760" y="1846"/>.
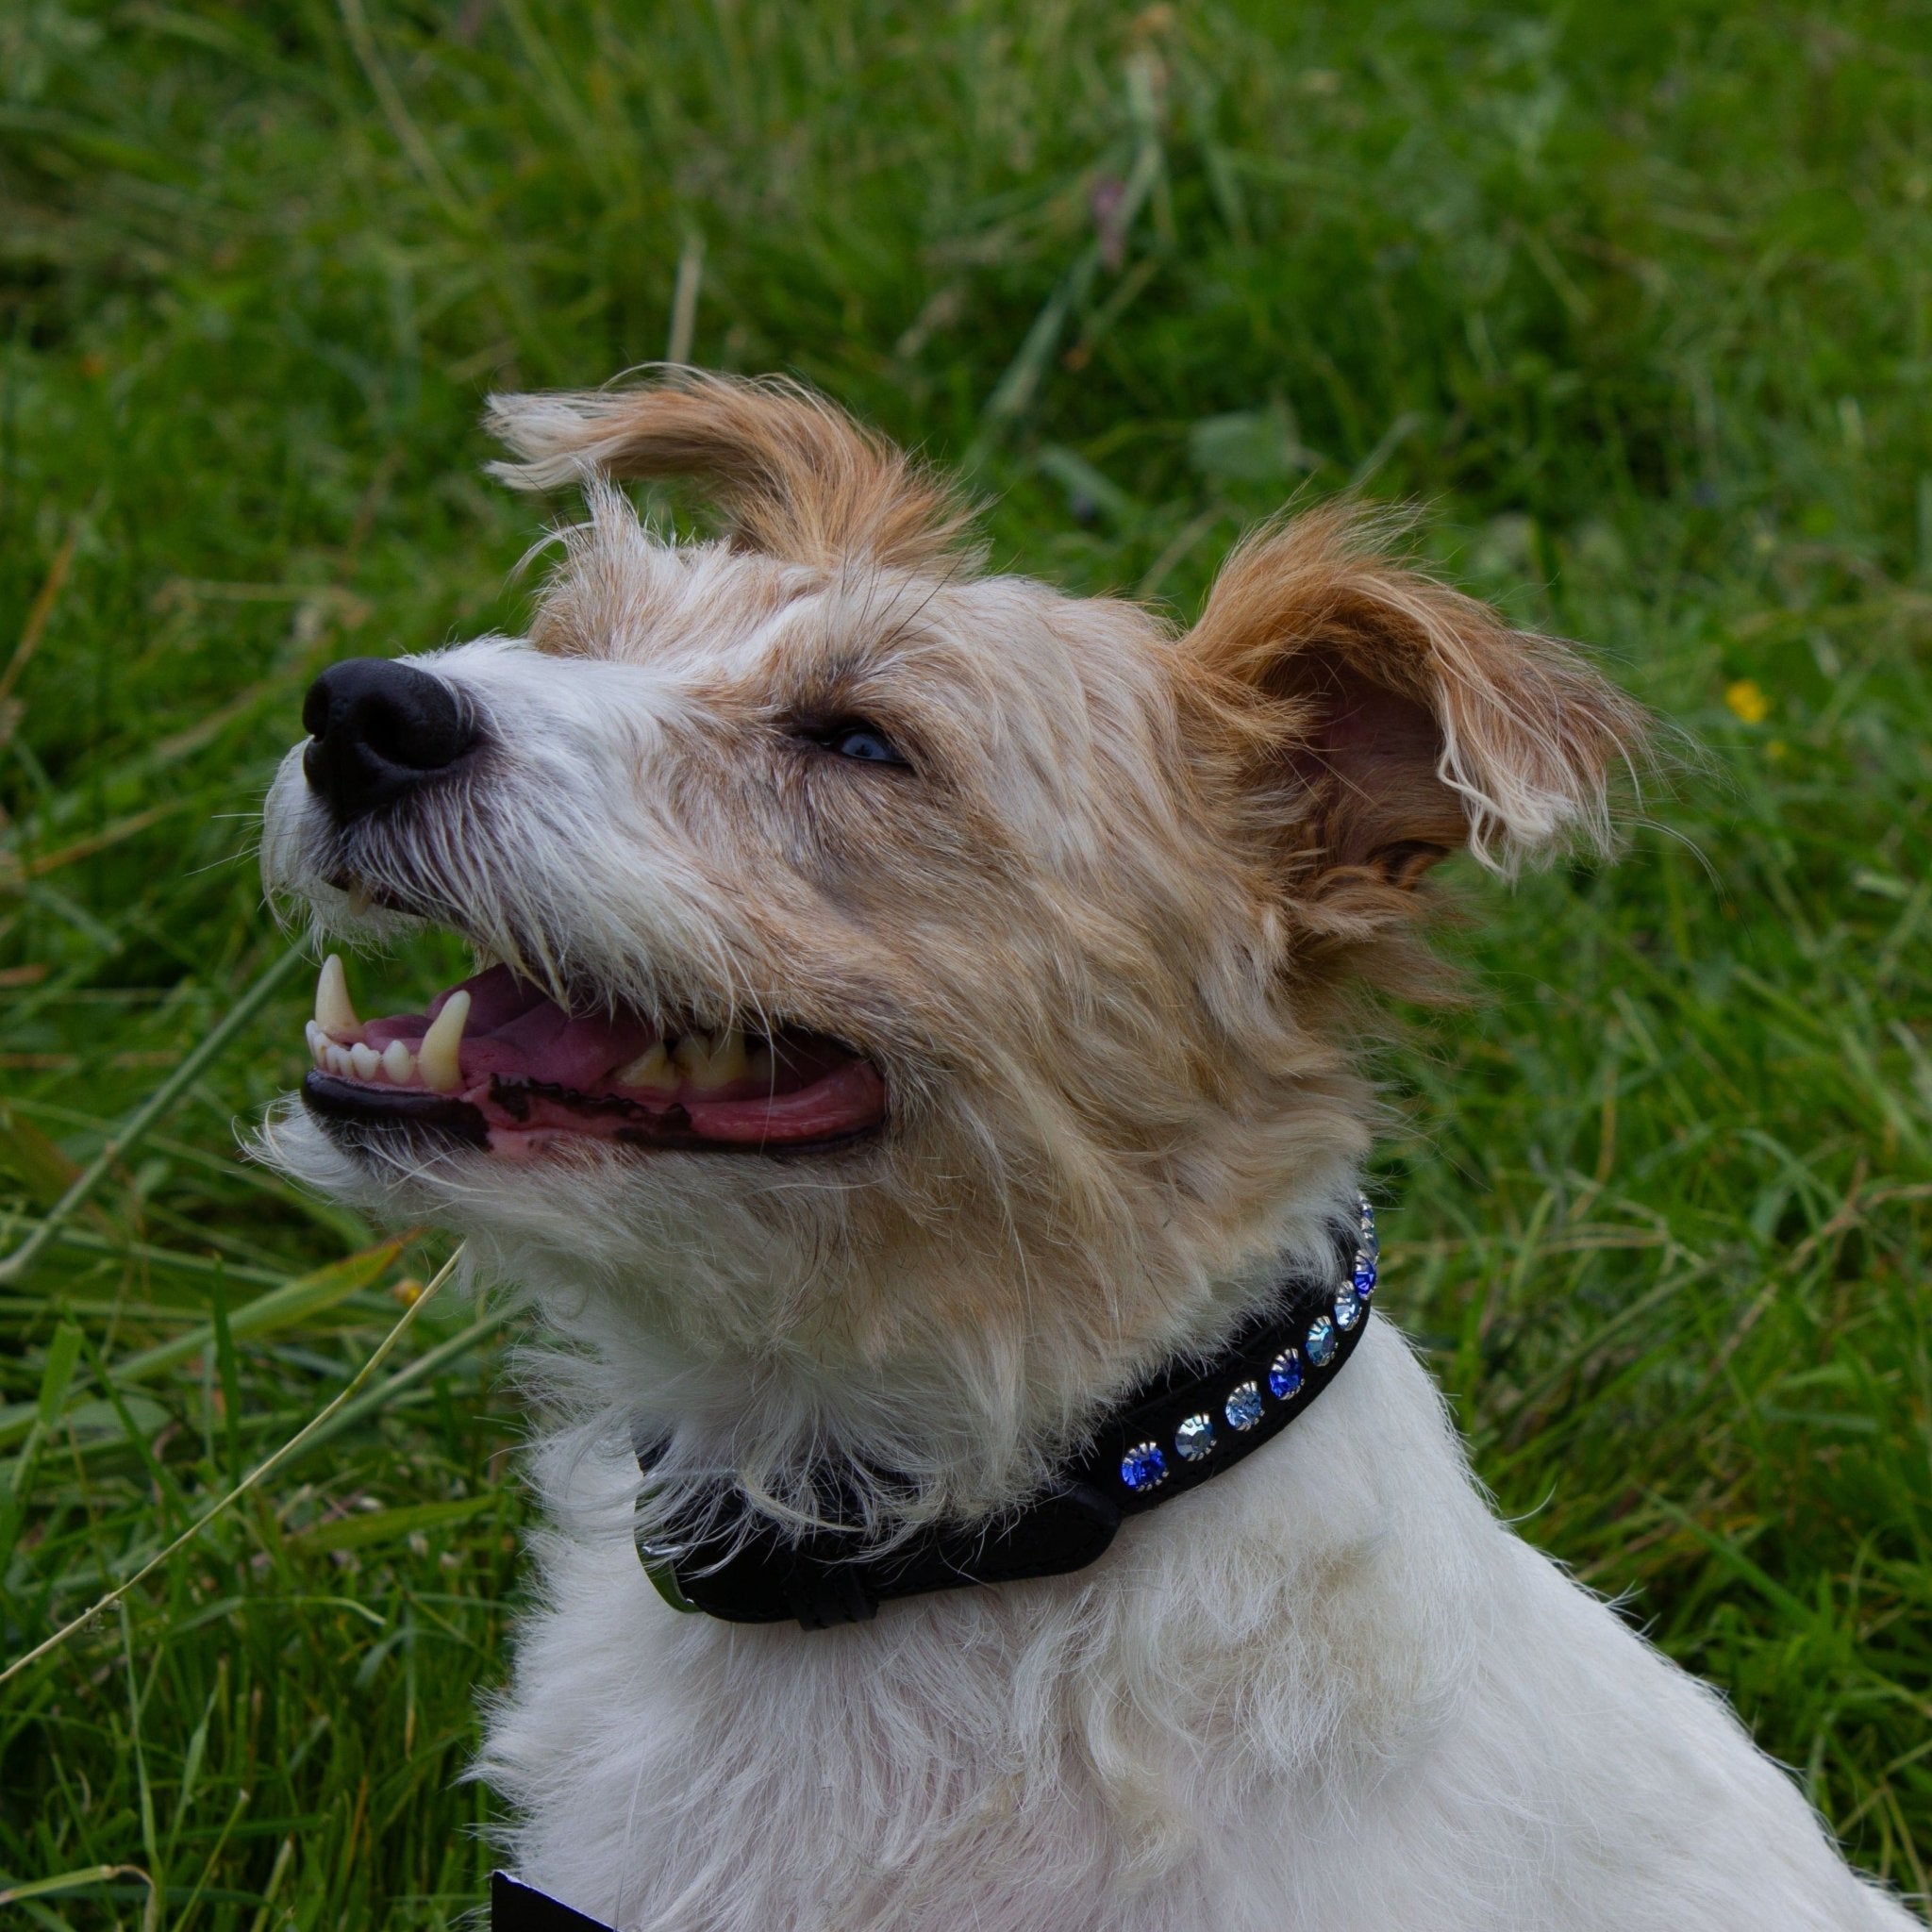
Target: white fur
<point x="1329" y="1691"/>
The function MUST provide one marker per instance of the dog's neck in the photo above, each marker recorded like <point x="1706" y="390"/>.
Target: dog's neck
<point x="1179" y="1429"/>
<point x="974" y="1411"/>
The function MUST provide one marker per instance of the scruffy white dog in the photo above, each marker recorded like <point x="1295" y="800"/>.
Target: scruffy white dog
<point x="912" y="1045"/>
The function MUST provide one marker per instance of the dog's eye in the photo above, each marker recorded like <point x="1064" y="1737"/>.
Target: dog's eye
<point x="865" y="744"/>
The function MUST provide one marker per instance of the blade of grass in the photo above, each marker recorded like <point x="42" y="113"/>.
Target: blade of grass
<point x="137" y="1123"/>
<point x="256" y="1475"/>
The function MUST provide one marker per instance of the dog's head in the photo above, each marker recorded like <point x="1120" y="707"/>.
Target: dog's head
<point x="892" y="974"/>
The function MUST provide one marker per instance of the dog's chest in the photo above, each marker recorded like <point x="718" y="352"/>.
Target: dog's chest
<point x="1085" y="1752"/>
<point x="703" y="1776"/>
<point x="1328" y="1691"/>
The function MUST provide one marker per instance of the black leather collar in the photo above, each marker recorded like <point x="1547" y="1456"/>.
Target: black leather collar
<point x="1178" y="1430"/>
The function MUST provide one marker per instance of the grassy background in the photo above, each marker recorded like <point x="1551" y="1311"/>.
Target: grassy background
<point x="1638" y="299"/>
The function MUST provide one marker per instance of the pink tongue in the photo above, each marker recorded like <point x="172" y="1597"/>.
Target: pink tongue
<point x="547" y="1044"/>
<point x="514" y="1030"/>
<point x="495" y="996"/>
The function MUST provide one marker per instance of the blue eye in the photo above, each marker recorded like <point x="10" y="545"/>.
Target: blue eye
<point x="860" y="742"/>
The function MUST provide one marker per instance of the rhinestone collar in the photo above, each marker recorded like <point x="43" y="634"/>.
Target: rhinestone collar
<point x="1177" y="1431"/>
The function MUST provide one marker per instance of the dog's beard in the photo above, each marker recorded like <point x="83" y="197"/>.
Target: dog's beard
<point x="741" y="1328"/>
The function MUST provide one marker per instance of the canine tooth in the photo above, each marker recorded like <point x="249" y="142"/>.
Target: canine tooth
<point x="333" y="1012"/>
<point x="365" y="1059"/>
<point x="398" y="1062"/>
<point x="436" y="1058"/>
<point x="651" y="1067"/>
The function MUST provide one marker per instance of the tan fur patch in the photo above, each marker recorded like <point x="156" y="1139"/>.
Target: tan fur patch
<point x="799" y="480"/>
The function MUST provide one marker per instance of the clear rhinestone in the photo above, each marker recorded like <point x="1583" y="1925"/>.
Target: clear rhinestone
<point x="1194" y="1438"/>
<point x="1321" y="1343"/>
<point x="1371" y="1243"/>
<point x="1348" y="1311"/>
<point x="1285" y="1374"/>
<point x="1143" y="1467"/>
<point x="1244" y="1405"/>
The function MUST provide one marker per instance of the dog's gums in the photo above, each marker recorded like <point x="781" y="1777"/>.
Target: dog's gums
<point x="497" y="1063"/>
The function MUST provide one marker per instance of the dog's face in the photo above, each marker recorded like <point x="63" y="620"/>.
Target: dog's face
<point x="881" y="961"/>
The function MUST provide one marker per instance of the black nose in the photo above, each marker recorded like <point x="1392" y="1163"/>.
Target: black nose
<point x="377" y="729"/>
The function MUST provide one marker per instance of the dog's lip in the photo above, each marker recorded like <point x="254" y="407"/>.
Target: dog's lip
<point x="495" y="1062"/>
<point x="366" y="894"/>
<point x="361" y="1114"/>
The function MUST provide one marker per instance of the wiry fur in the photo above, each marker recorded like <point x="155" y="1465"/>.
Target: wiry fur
<point x="1101" y="941"/>
<point x="803" y="481"/>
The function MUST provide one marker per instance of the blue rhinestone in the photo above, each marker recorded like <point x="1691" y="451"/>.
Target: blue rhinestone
<point x="1364" y="1275"/>
<point x="1194" y="1438"/>
<point x="1348" y="1311"/>
<point x="1143" y="1467"/>
<point x="1321" y="1344"/>
<point x="1244" y="1405"/>
<point x="1285" y="1374"/>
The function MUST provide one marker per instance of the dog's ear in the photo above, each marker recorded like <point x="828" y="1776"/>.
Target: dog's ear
<point x="798" y="478"/>
<point x="1392" y="721"/>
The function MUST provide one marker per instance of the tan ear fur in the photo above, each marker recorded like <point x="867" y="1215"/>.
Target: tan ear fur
<point x="1400" y="719"/>
<point x="798" y="479"/>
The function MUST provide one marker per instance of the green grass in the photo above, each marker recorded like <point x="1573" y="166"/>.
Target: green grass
<point x="1638" y="300"/>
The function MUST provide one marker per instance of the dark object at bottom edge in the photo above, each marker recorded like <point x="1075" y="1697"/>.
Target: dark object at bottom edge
<point x="517" y="1907"/>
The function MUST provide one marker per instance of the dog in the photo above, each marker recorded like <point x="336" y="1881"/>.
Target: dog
<point x="915" y="1041"/>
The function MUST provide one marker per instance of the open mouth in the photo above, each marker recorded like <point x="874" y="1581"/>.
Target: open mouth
<point x="497" y="1063"/>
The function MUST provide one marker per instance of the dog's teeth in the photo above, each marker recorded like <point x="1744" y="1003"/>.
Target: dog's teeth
<point x="333" y="1012"/>
<point x="335" y="1058"/>
<point x="728" y="1059"/>
<point x="365" y="1060"/>
<point x="398" y="1062"/>
<point x="649" y="1069"/>
<point x="708" y="1063"/>
<point x="436" y="1058"/>
<point x="759" y="1065"/>
<point x="318" y="1042"/>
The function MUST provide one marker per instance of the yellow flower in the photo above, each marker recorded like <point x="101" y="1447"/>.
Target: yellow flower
<point x="1747" y="701"/>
